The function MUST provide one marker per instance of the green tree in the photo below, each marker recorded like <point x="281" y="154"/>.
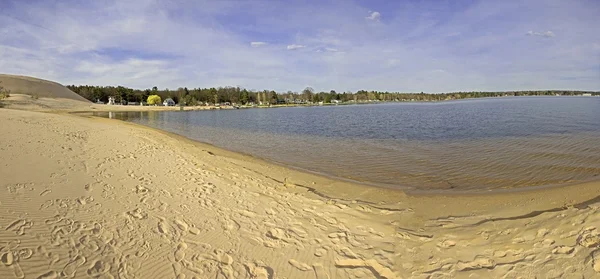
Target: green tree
<point x="190" y="100"/>
<point x="244" y="98"/>
<point x="274" y="97"/>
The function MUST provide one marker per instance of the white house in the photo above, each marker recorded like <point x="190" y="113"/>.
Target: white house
<point x="168" y="102"/>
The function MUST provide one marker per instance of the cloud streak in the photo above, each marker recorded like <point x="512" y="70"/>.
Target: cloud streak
<point x="257" y="44"/>
<point x="547" y="34"/>
<point x="294" y="47"/>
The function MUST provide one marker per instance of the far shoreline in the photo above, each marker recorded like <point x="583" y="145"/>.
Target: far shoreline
<point x="137" y="108"/>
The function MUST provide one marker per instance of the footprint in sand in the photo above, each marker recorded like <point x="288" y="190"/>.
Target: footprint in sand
<point x="70" y="269"/>
<point x="18" y="271"/>
<point x="98" y="268"/>
<point x="596" y="260"/>
<point x="163" y="228"/>
<point x="320" y="252"/>
<point x="19" y="226"/>
<point x="223" y="257"/>
<point x="7" y="258"/>
<point x="346" y="252"/>
<point x="194" y="231"/>
<point x="48" y="275"/>
<point x="180" y="251"/>
<point x="446" y="244"/>
<point x="45" y="192"/>
<point x="563" y="250"/>
<point x="299" y="265"/>
<point x="181" y="225"/>
<point x="378" y="270"/>
<point x="320" y="272"/>
<point x="477" y="263"/>
<point x="589" y="240"/>
<point x="138" y="214"/>
<point x="259" y="272"/>
<point x="25" y="253"/>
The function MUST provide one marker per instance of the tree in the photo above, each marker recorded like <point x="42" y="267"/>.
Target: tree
<point x="307" y="93"/>
<point x="316" y="98"/>
<point x="190" y="100"/>
<point x="274" y="97"/>
<point x="244" y="98"/>
<point x="146" y="94"/>
<point x="124" y="93"/>
<point x="154" y="100"/>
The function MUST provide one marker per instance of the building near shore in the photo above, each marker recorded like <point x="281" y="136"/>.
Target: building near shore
<point x="168" y="102"/>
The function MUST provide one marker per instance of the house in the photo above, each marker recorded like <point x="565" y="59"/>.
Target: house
<point x="168" y="102"/>
<point x="111" y="100"/>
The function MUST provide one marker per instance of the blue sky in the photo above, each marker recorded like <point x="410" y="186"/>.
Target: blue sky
<point x="406" y="46"/>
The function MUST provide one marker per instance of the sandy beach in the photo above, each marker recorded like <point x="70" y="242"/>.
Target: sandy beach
<point x="89" y="197"/>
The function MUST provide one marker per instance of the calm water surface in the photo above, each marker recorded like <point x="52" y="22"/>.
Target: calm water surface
<point x="475" y="144"/>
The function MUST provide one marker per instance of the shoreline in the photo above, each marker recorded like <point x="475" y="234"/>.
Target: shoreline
<point x="571" y="194"/>
<point x="392" y="187"/>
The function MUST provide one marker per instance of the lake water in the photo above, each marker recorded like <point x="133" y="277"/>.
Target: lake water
<point x="477" y="144"/>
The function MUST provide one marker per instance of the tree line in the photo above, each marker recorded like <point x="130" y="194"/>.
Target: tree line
<point x="237" y="95"/>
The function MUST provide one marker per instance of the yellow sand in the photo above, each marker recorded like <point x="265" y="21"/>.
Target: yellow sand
<point x="99" y="198"/>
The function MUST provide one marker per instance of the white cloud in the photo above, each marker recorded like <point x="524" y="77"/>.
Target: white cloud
<point x="393" y="62"/>
<point x="257" y="44"/>
<point x="331" y="49"/>
<point x="374" y="16"/>
<point x="547" y="34"/>
<point x="294" y="47"/>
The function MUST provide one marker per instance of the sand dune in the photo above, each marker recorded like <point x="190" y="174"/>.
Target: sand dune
<point x="38" y="87"/>
<point x="100" y="198"/>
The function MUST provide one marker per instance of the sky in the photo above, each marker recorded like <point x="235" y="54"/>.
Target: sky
<point x="344" y="45"/>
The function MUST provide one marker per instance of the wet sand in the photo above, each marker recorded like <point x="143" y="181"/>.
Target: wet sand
<point x="88" y="197"/>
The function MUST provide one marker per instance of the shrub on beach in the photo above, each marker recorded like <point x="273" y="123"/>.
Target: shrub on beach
<point x="154" y="100"/>
<point x="3" y="94"/>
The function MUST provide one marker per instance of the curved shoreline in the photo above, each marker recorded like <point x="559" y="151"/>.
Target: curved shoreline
<point x="534" y="199"/>
<point x="392" y="187"/>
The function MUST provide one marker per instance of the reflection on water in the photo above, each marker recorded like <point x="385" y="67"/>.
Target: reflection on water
<point x="465" y="145"/>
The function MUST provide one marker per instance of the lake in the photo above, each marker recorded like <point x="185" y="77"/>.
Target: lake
<point x="470" y="145"/>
